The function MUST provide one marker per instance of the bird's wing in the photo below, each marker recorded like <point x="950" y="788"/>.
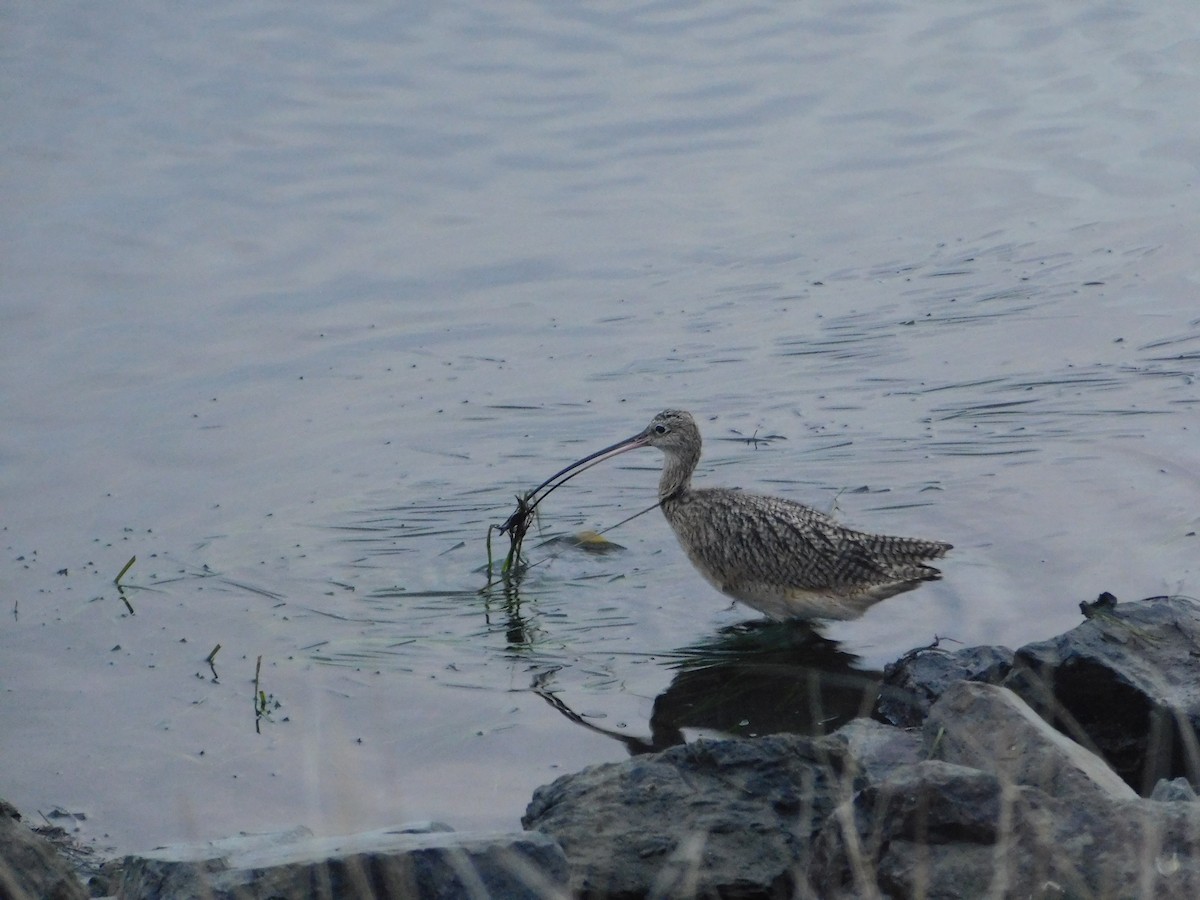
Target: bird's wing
<point x="742" y="537"/>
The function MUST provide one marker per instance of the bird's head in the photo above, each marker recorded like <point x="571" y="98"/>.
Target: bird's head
<point x="672" y="431"/>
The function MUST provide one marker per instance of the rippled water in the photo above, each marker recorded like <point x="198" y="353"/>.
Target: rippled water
<point x="296" y="299"/>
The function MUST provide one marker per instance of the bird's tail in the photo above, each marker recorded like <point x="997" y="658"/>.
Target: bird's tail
<point x="901" y="551"/>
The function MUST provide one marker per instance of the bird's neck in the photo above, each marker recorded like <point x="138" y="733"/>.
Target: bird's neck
<point x="676" y="475"/>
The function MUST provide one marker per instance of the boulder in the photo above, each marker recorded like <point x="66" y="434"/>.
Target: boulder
<point x="374" y="865"/>
<point x="30" y="867"/>
<point x="938" y="830"/>
<point x="913" y="683"/>
<point x="990" y="728"/>
<point x="729" y="818"/>
<point x="1123" y="682"/>
<point x="875" y="749"/>
<point x="1177" y="790"/>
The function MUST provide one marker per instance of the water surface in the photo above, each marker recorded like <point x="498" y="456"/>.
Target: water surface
<point x="296" y="299"/>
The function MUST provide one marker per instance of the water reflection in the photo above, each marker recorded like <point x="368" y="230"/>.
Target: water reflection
<point x="749" y="679"/>
<point x="502" y="609"/>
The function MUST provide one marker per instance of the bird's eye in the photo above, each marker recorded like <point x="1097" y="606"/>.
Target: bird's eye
<point x="660" y="429"/>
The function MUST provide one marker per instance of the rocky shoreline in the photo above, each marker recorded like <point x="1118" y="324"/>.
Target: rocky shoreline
<point x="1063" y="769"/>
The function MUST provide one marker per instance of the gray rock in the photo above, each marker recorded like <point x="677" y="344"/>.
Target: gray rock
<point x="1013" y="808"/>
<point x="713" y="818"/>
<point x="1177" y="790"/>
<point x="104" y="880"/>
<point x="937" y="830"/>
<point x="991" y="729"/>
<point x="913" y="683"/>
<point x="389" y="863"/>
<point x="30" y="867"/>
<point x="876" y="749"/>
<point x="932" y="823"/>
<point x="1124" y="682"/>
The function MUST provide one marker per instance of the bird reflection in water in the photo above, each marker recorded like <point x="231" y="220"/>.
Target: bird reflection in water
<point x="750" y="679"/>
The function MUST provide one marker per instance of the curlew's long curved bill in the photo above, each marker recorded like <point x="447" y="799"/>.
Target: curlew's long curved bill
<point x="630" y="443"/>
<point x="579" y="466"/>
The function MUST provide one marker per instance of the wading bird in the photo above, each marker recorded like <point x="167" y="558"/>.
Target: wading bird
<point x="777" y="556"/>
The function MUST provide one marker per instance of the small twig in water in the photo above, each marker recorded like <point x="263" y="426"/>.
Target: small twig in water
<point x="124" y="569"/>
<point x="209" y="659"/>
<point x="264" y="703"/>
<point x="120" y="589"/>
<point x="260" y="699"/>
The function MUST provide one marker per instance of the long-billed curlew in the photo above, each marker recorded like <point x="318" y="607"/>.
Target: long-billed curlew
<point x="775" y="555"/>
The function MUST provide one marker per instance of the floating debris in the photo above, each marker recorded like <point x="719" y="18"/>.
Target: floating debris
<point x="209" y="659"/>
<point x="120" y="588"/>
<point x="588" y="541"/>
<point x="125" y="568"/>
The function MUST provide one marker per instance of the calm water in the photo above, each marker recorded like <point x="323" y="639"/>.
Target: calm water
<point x="296" y="299"/>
